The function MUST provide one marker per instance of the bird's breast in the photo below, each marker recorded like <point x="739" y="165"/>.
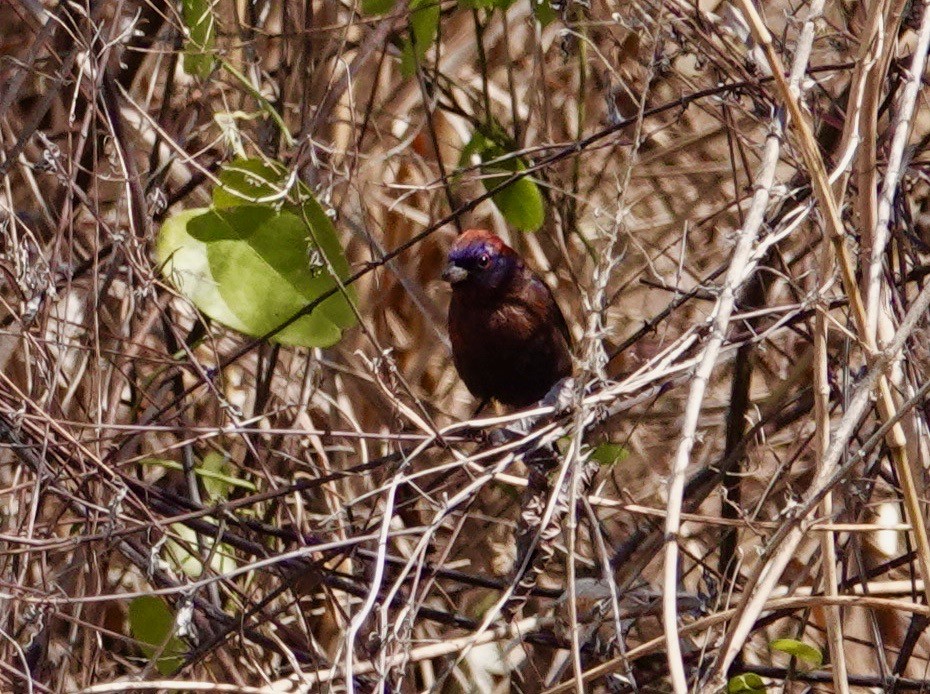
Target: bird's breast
<point x="500" y="325"/>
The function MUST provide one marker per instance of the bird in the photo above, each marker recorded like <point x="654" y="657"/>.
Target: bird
<point x="510" y="341"/>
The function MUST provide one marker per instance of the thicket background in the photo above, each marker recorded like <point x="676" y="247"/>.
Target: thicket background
<point x="183" y="507"/>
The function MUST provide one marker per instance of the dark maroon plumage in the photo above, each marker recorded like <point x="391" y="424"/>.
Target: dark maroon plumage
<point x="509" y="338"/>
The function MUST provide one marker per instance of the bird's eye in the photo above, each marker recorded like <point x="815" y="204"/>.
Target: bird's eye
<point x="484" y="262"/>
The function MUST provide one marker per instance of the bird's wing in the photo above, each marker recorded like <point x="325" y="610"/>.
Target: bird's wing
<point x="546" y="298"/>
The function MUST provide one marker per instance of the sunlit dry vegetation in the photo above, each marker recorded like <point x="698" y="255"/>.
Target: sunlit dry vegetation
<point x="731" y="203"/>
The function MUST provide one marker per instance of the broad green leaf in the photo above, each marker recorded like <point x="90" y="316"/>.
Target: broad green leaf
<point x="215" y="473"/>
<point x="185" y="556"/>
<point x="376" y="6"/>
<point x="748" y="683"/>
<point x="185" y="264"/>
<point x="261" y="261"/>
<point x="250" y="181"/>
<point x="474" y="147"/>
<point x="542" y="10"/>
<point x="152" y="623"/>
<point x="424" y="25"/>
<point x="245" y="181"/>
<point x="259" y="255"/>
<point x="609" y="453"/>
<point x="799" y="650"/>
<point x="323" y="236"/>
<point x="521" y="203"/>
<point x="252" y="267"/>
<point x="201" y="37"/>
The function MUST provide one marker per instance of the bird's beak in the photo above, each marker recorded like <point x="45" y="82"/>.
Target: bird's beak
<point x="453" y="274"/>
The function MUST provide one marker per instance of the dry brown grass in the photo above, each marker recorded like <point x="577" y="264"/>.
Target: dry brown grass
<point x="379" y="538"/>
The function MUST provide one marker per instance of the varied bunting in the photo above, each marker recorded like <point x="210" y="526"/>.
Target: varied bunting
<point x="509" y="338"/>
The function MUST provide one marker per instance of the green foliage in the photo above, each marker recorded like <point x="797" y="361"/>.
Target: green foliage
<point x="799" y="650"/>
<point x="487" y="4"/>
<point x="214" y="471"/>
<point x="751" y="683"/>
<point x="201" y="37"/>
<point x="748" y="683"/>
<point x="258" y="256"/>
<point x="152" y="624"/>
<point x="424" y="27"/>
<point x="250" y="181"/>
<point x="542" y="10"/>
<point x="521" y="202"/>
<point x="609" y="453"/>
<point x="376" y="6"/>
<point x="185" y="556"/>
<point x="216" y="474"/>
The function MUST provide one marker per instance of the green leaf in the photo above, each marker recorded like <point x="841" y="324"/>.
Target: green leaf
<point x="424" y="25"/>
<point x="185" y="264"/>
<point x="184" y="553"/>
<point x="799" y="650"/>
<point x="486" y="4"/>
<point x="152" y="624"/>
<point x="261" y="261"/>
<point x="245" y="181"/>
<point x="609" y="453"/>
<point x="214" y="472"/>
<point x="542" y="10"/>
<point x="376" y="6"/>
<point x="473" y="148"/>
<point x="324" y="237"/>
<point x="748" y="683"/>
<point x="252" y="267"/>
<point x="521" y="202"/>
<point x="205" y="472"/>
<point x="250" y="181"/>
<point x="201" y="37"/>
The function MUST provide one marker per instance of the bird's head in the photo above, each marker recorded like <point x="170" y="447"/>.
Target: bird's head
<point x="480" y="261"/>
